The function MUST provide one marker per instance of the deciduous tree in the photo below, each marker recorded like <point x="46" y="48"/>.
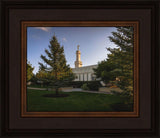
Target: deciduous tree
<point x="29" y="71"/>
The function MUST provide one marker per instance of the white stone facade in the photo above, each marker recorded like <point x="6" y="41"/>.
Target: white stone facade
<point x="85" y="73"/>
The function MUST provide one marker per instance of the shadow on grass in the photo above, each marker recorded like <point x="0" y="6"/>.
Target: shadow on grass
<point x="121" y="107"/>
<point x="56" y="95"/>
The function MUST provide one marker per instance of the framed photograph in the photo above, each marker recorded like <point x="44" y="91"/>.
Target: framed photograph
<point x="82" y="81"/>
<point x="79" y="68"/>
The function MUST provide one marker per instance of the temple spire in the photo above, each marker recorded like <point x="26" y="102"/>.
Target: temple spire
<point x="78" y="47"/>
<point x="78" y="62"/>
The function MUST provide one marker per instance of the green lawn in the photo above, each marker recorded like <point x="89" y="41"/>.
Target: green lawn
<point x="76" y="101"/>
<point x="37" y="86"/>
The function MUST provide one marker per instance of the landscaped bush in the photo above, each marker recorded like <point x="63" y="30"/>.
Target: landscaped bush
<point x="77" y="84"/>
<point x="94" y="85"/>
<point x="84" y="86"/>
<point x="116" y="93"/>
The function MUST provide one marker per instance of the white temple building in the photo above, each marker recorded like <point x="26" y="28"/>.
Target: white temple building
<point x="85" y="73"/>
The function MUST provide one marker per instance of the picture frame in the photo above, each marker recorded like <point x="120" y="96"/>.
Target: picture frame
<point x="13" y="13"/>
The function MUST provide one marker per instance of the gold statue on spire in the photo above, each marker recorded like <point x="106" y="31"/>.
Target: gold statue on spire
<point x="78" y="47"/>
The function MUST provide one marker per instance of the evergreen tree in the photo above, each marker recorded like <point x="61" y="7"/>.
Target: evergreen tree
<point x="122" y="57"/>
<point x="105" y="71"/>
<point x="55" y="70"/>
<point x="119" y="63"/>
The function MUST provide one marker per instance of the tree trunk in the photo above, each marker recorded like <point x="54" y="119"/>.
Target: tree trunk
<point x="57" y="91"/>
<point x="56" y="81"/>
<point x="47" y="87"/>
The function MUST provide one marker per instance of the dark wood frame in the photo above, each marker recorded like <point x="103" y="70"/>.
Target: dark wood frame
<point x="7" y="121"/>
<point x="25" y="24"/>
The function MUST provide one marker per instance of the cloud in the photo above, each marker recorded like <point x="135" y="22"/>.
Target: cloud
<point x="46" y="29"/>
<point x="35" y="37"/>
<point x="64" y="39"/>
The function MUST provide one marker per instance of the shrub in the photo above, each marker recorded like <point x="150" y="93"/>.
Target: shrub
<point x="115" y="92"/>
<point x="94" y="85"/>
<point x="79" y="84"/>
<point x="76" y="84"/>
<point x="84" y="86"/>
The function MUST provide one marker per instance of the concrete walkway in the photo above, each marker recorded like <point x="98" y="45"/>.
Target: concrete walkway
<point x="72" y="90"/>
<point x="32" y="88"/>
<point x="80" y="90"/>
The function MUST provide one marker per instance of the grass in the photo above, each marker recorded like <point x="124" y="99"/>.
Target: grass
<point x="76" y="101"/>
<point x="37" y="86"/>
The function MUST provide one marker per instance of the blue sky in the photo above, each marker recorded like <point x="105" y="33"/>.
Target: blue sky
<point x="93" y="42"/>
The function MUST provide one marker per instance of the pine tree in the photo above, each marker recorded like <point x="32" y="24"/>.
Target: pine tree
<point x="119" y="63"/>
<point x="55" y="69"/>
<point x="122" y="57"/>
<point x="104" y="71"/>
